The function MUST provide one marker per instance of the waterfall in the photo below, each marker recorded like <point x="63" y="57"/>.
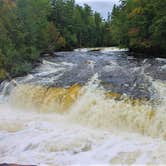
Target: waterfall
<point x="85" y="109"/>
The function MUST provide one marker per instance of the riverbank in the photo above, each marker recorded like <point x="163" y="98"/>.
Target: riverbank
<point x="137" y="53"/>
<point x="46" y="54"/>
<point x="5" y="75"/>
<point x="148" y="52"/>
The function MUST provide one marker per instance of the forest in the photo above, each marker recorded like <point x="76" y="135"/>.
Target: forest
<point x="29" y="28"/>
<point x="140" y="25"/>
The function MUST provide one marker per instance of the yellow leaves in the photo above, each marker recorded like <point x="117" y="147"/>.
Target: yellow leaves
<point x="133" y="31"/>
<point x="2" y="74"/>
<point x="9" y="3"/>
<point x="56" y="38"/>
<point x="2" y="71"/>
<point x="146" y="43"/>
<point x="135" y="12"/>
<point x="61" y="42"/>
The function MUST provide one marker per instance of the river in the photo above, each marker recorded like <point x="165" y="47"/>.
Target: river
<point x="86" y="108"/>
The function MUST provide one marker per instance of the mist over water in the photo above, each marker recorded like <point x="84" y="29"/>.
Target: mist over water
<point x="86" y="108"/>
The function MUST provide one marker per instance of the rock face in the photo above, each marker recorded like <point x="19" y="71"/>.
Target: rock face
<point x="116" y="71"/>
<point x="4" y="164"/>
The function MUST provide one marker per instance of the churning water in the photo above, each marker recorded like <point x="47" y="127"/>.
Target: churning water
<point x="86" y="108"/>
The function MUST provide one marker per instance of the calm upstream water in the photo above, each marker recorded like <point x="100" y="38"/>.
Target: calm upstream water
<point x="86" y="108"/>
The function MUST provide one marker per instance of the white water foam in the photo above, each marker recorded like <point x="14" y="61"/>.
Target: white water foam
<point x="50" y="139"/>
<point x="95" y="131"/>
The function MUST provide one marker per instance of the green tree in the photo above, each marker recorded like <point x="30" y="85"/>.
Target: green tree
<point x="140" y="25"/>
<point x="25" y="32"/>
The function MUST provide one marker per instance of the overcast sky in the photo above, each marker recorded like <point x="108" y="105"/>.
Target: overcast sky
<point x="101" y="6"/>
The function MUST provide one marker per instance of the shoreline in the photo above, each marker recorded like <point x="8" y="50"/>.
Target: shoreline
<point x="137" y="53"/>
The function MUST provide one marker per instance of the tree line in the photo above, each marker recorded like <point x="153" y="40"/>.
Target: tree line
<point x="30" y="27"/>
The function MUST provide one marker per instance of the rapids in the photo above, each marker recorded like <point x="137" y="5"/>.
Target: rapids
<point x="86" y="108"/>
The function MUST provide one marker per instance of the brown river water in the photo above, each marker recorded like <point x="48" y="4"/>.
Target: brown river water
<point x="86" y="108"/>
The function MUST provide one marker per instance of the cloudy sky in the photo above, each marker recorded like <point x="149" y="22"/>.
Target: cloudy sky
<point x="102" y="6"/>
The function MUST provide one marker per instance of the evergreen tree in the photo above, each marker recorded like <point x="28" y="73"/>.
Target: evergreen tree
<point x="140" y="25"/>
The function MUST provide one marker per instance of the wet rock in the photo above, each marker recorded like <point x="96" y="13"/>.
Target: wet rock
<point x="117" y="72"/>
